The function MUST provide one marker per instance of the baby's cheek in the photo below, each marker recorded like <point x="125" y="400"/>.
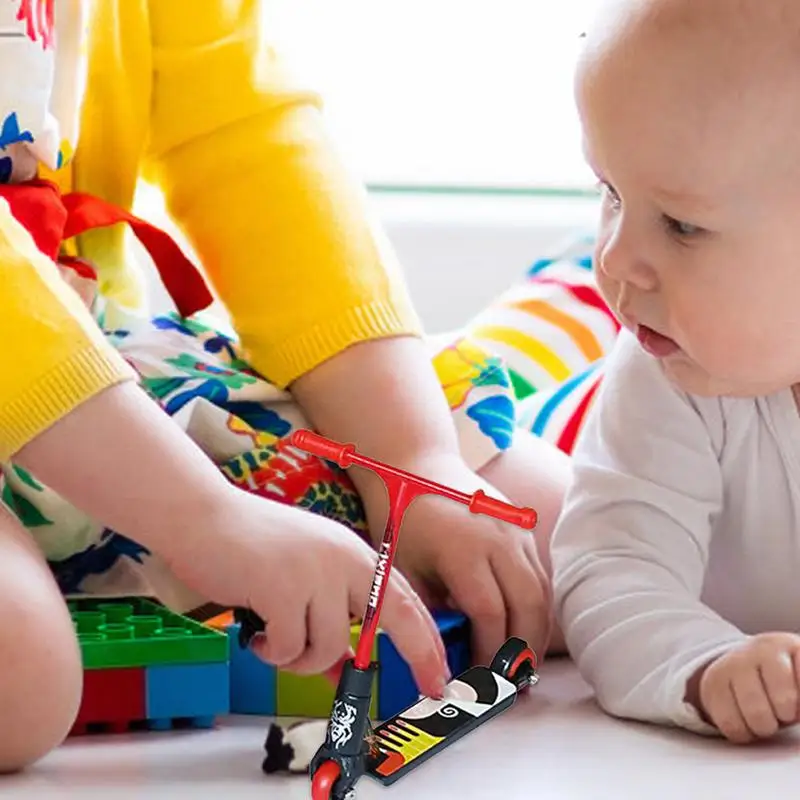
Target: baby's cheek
<point x="721" y="342"/>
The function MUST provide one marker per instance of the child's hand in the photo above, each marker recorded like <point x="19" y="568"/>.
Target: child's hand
<point x="487" y="569"/>
<point x="306" y="576"/>
<point x="752" y="691"/>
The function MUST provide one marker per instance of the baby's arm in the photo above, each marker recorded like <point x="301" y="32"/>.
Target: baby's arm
<point x="385" y="395"/>
<point x="70" y="410"/>
<point x="119" y="458"/>
<point x="287" y="236"/>
<point x="54" y="355"/>
<point x="630" y="551"/>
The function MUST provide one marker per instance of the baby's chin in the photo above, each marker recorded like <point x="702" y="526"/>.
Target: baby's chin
<point x="693" y="379"/>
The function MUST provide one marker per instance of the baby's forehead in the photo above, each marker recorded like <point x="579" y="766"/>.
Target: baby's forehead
<point x="676" y="83"/>
<point x="760" y="37"/>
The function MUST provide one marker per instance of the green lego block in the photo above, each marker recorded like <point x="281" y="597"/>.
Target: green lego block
<point x="136" y="632"/>
<point x="313" y="695"/>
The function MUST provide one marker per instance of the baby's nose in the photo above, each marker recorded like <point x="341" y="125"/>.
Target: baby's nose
<point x="621" y="261"/>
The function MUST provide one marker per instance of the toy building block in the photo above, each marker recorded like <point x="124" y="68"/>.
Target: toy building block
<point x="258" y="688"/>
<point x="254" y="684"/>
<point x="113" y="700"/>
<point x="132" y="648"/>
<point x="313" y="695"/>
<point x="396" y="686"/>
<point x="193" y="693"/>
<point x="136" y="632"/>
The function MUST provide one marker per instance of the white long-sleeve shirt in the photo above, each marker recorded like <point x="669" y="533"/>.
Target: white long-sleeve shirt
<point x="679" y="538"/>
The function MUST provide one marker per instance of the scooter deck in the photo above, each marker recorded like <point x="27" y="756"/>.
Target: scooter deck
<point x="410" y="738"/>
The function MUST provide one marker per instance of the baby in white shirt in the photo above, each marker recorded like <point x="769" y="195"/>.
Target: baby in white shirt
<point x="677" y="559"/>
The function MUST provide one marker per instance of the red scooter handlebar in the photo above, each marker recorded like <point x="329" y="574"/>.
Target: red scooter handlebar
<point x="345" y="455"/>
<point x="317" y="445"/>
<point x="481" y="503"/>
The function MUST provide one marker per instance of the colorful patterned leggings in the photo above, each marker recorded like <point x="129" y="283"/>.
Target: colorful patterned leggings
<point x="532" y="360"/>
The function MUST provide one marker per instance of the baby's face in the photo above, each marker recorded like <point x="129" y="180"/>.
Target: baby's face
<point x="690" y="124"/>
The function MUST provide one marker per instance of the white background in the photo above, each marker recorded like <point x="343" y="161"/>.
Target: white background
<point x="445" y="91"/>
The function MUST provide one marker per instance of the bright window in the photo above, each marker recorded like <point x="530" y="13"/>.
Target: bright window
<point x="446" y="92"/>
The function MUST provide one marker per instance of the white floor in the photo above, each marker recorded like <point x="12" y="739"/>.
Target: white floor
<point x="553" y="745"/>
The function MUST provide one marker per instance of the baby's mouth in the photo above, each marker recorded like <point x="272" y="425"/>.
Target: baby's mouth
<point x="655" y="343"/>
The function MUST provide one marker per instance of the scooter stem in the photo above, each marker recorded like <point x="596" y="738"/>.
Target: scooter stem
<point x="402" y="488"/>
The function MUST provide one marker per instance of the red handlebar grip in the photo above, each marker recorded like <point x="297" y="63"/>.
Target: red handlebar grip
<point x="481" y="503"/>
<point x="324" y="448"/>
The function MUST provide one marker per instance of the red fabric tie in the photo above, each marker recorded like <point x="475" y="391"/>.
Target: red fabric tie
<point x="51" y="218"/>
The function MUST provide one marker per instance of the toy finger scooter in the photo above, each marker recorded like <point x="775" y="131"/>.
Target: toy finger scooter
<point x="351" y="749"/>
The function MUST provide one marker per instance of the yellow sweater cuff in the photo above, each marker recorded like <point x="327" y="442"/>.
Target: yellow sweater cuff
<point x="83" y="375"/>
<point x="294" y="357"/>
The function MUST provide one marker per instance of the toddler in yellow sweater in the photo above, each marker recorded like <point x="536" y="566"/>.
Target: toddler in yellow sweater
<point x="104" y="492"/>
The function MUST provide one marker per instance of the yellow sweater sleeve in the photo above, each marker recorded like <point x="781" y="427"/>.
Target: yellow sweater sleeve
<point x="281" y="228"/>
<point x="54" y="355"/>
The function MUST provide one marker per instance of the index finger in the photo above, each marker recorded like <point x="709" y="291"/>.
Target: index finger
<point x="527" y="597"/>
<point x="478" y="595"/>
<point x="413" y="632"/>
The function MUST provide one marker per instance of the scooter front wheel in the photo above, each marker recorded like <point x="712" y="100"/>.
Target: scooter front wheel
<point x="324" y="779"/>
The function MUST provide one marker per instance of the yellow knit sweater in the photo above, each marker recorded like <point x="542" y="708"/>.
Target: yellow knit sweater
<point x="190" y="96"/>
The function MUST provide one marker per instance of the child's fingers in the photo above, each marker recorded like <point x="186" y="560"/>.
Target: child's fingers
<point x="284" y="640"/>
<point x="334" y="673"/>
<point x="328" y="632"/>
<point x="409" y="627"/>
<point x="405" y="586"/>
<point x="526" y="596"/>
<point x="721" y="706"/>
<point x="778" y="676"/>
<point x="796" y="665"/>
<point x="753" y="703"/>
<point x="478" y="594"/>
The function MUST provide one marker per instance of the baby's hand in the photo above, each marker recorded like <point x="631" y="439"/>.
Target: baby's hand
<point x="752" y="691"/>
<point x="488" y="570"/>
<point x="306" y="577"/>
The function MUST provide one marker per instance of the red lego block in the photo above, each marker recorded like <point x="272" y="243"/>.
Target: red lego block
<point x="113" y="698"/>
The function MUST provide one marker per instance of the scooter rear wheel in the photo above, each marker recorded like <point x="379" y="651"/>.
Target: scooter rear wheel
<point x="516" y="662"/>
<point x="324" y="779"/>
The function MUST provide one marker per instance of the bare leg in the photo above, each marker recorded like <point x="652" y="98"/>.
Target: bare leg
<point x="534" y="473"/>
<point x="40" y="662"/>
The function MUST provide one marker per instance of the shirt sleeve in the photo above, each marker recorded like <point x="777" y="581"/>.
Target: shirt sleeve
<point x="55" y="356"/>
<point x="630" y="551"/>
<point x="283" y="231"/>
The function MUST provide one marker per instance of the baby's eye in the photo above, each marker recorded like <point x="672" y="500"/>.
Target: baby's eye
<point x="682" y="229"/>
<point x="610" y="193"/>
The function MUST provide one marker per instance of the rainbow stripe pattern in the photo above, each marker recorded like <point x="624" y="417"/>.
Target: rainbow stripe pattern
<point x="553" y="331"/>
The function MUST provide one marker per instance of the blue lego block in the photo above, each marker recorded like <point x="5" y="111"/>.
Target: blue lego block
<point x="254" y="684"/>
<point x="456" y="633"/>
<point x="197" y="692"/>
<point x="397" y="689"/>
